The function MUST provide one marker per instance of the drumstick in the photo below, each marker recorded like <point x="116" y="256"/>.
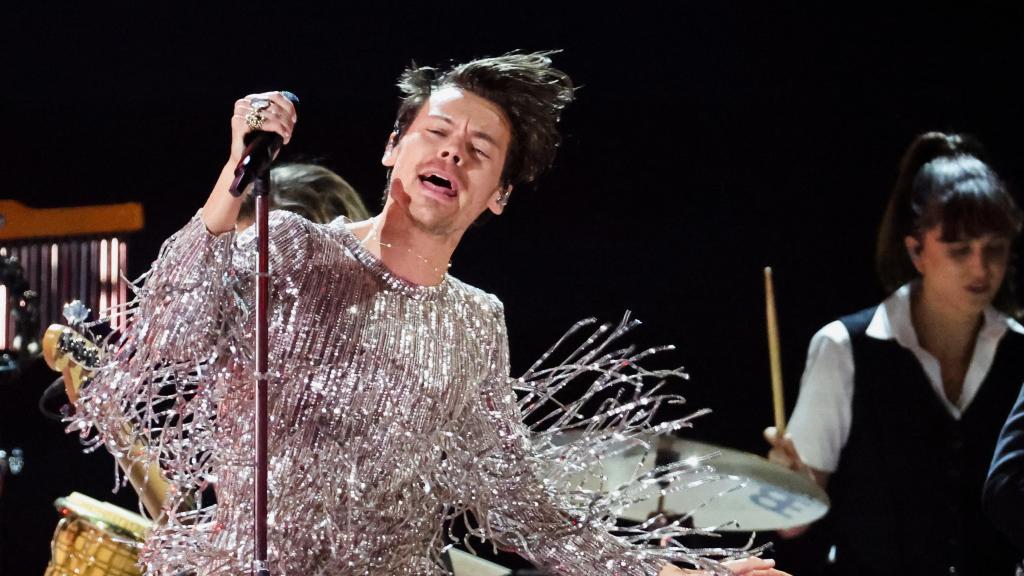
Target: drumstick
<point x="778" y="403"/>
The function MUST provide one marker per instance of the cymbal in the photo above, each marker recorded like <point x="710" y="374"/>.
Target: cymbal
<point x="749" y="493"/>
<point x="466" y="564"/>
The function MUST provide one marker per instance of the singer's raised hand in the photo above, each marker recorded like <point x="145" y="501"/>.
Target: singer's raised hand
<point x="279" y="117"/>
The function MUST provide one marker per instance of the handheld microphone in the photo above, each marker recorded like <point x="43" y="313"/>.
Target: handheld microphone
<point x="261" y="147"/>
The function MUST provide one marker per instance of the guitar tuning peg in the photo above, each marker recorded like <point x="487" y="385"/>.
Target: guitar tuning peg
<point x="75" y="312"/>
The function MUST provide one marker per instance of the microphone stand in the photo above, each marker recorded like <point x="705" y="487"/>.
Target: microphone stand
<point x="255" y="167"/>
<point x="261" y="190"/>
<point x="257" y="170"/>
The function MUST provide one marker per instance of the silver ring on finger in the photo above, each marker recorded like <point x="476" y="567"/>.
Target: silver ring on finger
<point x="259" y="104"/>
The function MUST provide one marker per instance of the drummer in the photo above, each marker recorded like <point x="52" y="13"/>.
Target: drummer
<point x="900" y="404"/>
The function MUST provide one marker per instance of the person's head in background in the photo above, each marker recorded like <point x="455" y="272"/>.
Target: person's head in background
<point x="312" y="191"/>
<point x="950" y="223"/>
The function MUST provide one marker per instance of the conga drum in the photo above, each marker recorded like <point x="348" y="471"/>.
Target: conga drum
<point x="95" y="538"/>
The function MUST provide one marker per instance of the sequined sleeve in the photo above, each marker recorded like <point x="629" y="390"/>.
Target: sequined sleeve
<point x="177" y="311"/>
<point x="517" y="510"/>
<point x="520" y="514"/>
<point x="190" y="300"/>
<point x="531" y="487"/>
<point x="156" y="394"/>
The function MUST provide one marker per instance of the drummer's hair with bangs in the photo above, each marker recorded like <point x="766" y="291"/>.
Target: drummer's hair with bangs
<point x="529" y="90"/>
<point x="944" y="181"/>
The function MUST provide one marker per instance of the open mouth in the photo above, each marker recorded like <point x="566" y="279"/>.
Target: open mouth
<point x="439" y="183"/>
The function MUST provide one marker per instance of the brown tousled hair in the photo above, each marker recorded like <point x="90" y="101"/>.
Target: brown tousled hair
<point x="945" y="181"/>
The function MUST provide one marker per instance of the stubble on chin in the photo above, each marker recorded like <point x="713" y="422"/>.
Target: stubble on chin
<point x="432" y="224"/>
<point x="421" y="217"/>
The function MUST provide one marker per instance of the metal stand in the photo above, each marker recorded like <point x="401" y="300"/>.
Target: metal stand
<point x="261" y="192"/>
<point x="261" y="148"/>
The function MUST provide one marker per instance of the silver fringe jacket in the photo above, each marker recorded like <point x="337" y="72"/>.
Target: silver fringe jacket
<point x="391" y="411"/>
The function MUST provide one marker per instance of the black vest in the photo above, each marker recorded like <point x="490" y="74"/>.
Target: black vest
<point x="907" y="494"/>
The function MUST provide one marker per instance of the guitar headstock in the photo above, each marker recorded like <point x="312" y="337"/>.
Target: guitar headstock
<point x="69" y="352"/>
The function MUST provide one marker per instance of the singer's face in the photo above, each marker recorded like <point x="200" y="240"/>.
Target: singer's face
<point x="447" y="167"/>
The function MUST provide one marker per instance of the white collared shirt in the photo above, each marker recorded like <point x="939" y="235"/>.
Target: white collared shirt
<point x="820" y="424"/>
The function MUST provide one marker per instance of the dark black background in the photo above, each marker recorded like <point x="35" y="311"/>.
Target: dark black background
<point x="710" y="139"/>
